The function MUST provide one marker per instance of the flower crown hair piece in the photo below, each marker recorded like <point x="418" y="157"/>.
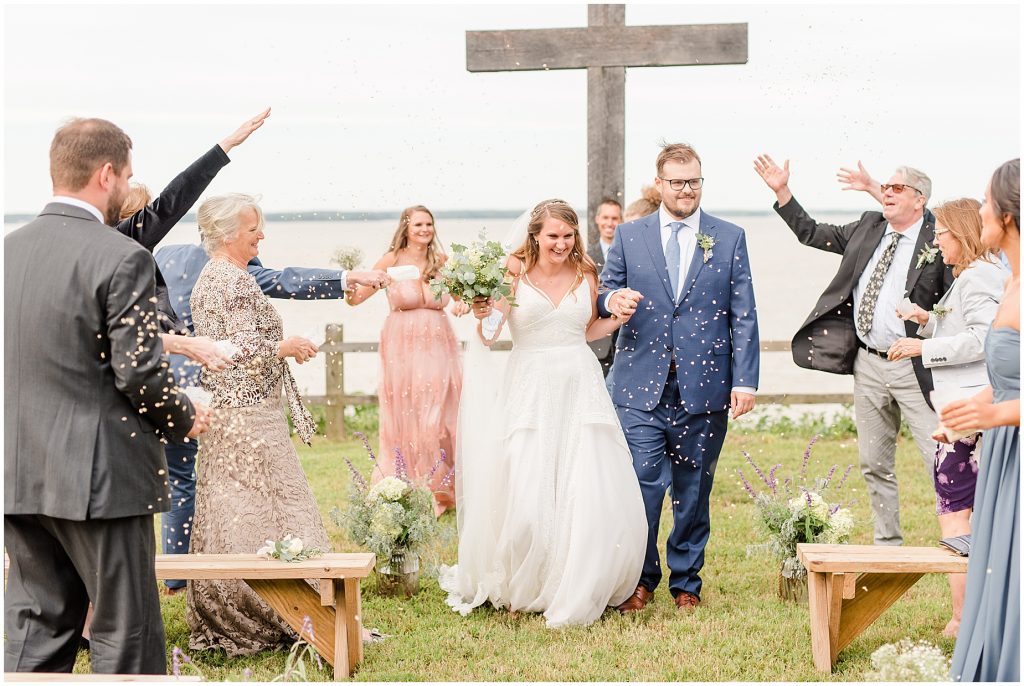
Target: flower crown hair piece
<point x="544" y="206"/>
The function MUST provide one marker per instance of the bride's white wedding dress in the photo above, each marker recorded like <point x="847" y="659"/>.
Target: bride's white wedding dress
<point x="549" y="509"/>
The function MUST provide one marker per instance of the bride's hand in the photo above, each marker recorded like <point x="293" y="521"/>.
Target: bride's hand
<point x="459" y="308"/>
<point x="624" y="303"/>
<point x="482" y="307"/>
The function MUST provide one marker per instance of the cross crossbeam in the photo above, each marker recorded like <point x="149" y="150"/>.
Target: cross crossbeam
<point x="605" y="48"/>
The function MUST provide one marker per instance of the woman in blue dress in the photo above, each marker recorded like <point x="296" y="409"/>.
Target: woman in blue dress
<point x="988" y="646"/>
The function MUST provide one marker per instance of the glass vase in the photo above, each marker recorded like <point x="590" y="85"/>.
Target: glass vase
<point x="399" y="575"/>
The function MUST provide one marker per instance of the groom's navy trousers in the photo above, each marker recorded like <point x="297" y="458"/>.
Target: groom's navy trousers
<point x="675" y="451"/>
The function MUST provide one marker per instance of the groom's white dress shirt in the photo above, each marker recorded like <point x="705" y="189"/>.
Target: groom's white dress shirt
<point x="68" y="200"/>
<point x="687" y="238"/>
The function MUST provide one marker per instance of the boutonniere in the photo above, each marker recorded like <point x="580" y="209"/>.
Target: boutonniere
<point x="926" y="256"/>
<point x="940" y="311"/>
<point x="706" y="243"/>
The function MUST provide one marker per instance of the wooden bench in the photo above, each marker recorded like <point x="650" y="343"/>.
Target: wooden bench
<point x="336" y="612"/>
<point x="850" y="586"/>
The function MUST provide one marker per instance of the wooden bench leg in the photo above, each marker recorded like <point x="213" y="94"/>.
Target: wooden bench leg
<point x="875" y="594"/>
<point x="295" y="600"/>
<point x="354" y="621"/>
<point x="817" y="601"/>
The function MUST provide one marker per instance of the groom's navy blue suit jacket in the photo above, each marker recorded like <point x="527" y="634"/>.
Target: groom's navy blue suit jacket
<point x="712" y="329"/>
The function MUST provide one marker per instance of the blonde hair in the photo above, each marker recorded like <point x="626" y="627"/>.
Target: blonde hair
<point x="675" y="152"/>
<point x="964" y="223"/>
<point x="218" y="218"/>
<point x="435" y="253"/>
<point x="137" y="198"/>
<point x="529" y="252"/>
<point x="650" y="201"/>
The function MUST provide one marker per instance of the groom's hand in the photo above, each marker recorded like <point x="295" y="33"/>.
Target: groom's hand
<point x="742" y="403"/>
<point x="623" y="302"/>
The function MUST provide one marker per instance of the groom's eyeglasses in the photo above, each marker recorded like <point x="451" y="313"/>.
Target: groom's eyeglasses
<point x="680" y="184"/>
<point x="898" y="187"/>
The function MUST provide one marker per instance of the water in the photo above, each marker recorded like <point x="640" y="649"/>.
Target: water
<point x="788" y="278"/>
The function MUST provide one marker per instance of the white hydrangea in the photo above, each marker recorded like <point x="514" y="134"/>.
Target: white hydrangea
<point x="389" y="488"/>
<point x="842" y="522"/>
<point x="818" y="506"/>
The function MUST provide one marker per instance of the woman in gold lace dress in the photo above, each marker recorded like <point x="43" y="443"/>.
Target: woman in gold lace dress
<point x="250" y="486"/>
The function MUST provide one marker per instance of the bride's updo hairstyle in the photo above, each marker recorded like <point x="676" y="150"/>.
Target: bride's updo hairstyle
<point x="435" y="253"/>
<point x="529" y="251"/>
<point x="218" y="218"/>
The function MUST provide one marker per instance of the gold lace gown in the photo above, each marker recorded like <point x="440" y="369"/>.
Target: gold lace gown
<point x="250" y="484"/>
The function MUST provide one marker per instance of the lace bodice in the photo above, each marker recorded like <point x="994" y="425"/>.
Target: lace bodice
<point x="537" y="322"/>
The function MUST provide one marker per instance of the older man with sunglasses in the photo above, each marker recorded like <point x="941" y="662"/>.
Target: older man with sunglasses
<point x="886" y="256"/>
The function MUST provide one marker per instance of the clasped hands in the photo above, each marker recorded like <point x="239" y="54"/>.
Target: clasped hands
<point x="623" y="303"/>
<point x="374" y="278"/>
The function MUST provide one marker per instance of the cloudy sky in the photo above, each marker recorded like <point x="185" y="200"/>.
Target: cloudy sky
<point x="373" y="107"/>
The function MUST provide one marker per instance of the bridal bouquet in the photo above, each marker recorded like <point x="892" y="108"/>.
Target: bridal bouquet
<point x="796" y="511"/>
<point x="476" y="271"/>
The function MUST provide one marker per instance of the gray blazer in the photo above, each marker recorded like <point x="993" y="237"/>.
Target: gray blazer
<point x="86" y="384"/>
<point x="954" y="348"/>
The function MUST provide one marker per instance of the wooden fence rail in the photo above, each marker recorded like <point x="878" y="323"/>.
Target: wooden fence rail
<point x="336" y="400"/>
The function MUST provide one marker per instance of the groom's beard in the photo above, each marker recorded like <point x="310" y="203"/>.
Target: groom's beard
<point x="684" y="207"/>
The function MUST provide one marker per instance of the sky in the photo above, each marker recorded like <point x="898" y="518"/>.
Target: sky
<point x="373" y="108"/>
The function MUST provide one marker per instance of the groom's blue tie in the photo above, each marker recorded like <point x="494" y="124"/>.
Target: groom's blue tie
<point x="672" y="258"/>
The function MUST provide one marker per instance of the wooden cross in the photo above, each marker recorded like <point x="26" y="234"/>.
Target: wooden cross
<point x="605" y="48"/>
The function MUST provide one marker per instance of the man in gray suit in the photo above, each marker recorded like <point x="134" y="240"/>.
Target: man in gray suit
<point x="608" y="218"/>
<point x="87" y="396"/>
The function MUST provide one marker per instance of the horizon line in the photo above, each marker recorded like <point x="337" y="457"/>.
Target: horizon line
<point x="373" y="215"/>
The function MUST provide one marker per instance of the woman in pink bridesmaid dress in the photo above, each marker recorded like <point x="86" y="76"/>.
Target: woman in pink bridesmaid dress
<point x="421" y="371"/>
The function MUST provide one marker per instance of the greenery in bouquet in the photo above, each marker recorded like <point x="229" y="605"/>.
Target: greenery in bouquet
<point x="476" y="271"/>
<point x="797" y="511"/>
<point x="395" y="514"/>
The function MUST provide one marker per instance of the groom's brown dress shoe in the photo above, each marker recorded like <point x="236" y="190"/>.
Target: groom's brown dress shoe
<point x="687" y="601"/>
<point x="636" y="602"/>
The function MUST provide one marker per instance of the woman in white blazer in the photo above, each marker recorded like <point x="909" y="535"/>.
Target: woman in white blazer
<point x="953" y="347"/>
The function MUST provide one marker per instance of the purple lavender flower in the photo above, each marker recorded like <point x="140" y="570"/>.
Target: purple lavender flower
<point x="757" y="469"/>
<point x="833" y="509"/>
<point x="176" y="661"/>
<point x="807" y="496"/>
<point x="828" y="478"/>
<point x="437" y="465"/>
<point x="307" y="628"/>
<point x="746" y="484"/>
<point x="401" y="471"/>
<point x="842" y="481"/>
<point x="772" y="479"/>
<point x="366" y="444"/>
<point x="447" y="480"/>
<point x="357" y="478"/>
<point x="807" y="458"/>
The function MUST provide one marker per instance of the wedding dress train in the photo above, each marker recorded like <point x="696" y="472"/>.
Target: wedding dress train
<point x="550" y="514"/>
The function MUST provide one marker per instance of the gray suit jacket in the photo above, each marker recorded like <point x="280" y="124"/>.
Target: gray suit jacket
<point x="86" y="384"/>
<point x="604" y="348"/>
<point x="954" y="345"/>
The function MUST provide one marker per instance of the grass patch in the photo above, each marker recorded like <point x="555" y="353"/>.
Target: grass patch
<point x="741" y="633"/>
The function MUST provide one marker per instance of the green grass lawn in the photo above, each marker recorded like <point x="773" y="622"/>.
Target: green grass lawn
<point x="742" y="632"/>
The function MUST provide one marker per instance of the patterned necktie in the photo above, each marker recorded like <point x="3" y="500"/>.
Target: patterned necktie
<point x="672" y="258"/>
<point x="866" y="312"/>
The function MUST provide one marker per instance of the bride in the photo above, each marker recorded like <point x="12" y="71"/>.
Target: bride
<point x="550" y="514"/>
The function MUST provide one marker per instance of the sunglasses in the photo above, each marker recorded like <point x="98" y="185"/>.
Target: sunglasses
<point x="898" y="187"/>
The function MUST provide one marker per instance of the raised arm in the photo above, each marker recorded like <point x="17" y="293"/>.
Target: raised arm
<point x="149" y="225"/>
<point x="828" y="237"/>
<point x="860" y="180"/>
<point x="136" y="351"/>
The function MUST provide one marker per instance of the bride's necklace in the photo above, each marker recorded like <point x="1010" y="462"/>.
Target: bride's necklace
<point x="228" y="258"/>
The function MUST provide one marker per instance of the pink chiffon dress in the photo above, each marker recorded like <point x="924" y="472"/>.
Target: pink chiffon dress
<point x="420" y="384"/>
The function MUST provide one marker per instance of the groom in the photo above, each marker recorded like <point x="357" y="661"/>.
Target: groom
<point x="688" y="355"/>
